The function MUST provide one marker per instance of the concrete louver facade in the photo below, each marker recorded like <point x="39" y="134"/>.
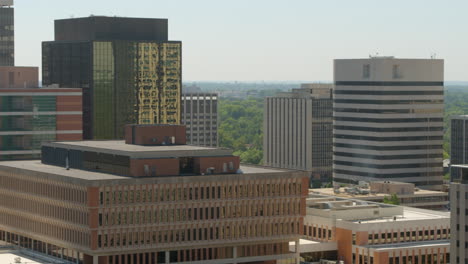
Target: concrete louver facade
<point x="388" y="120"/>
<point x="298" y="131"/>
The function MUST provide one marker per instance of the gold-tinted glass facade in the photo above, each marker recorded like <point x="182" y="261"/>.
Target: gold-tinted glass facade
<point x="135" y="82"/>
<point x="158" y="83"/>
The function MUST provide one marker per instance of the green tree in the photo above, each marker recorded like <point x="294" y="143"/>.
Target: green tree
<point x="241" y="127"/>
<point x="393" y="199"/>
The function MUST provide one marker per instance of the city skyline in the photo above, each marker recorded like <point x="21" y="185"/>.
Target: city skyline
<point x="279" y="40"/>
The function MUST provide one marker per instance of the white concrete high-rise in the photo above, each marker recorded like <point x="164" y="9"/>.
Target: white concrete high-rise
<point x="388" y="121"/>
<point x="200" y="116"/>
<point x="297" y="131"/>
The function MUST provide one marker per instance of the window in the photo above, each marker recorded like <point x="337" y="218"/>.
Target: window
<point x="397" y="72"/>
<point x="366" y="71"/>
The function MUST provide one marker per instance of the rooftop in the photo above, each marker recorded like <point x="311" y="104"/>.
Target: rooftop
<point x="75" y="174"/>
<point x="414" y="244"/>
<point x="8" y="256"/>
<point x="118" y="147"/>
<point x="364" y="212"/>
<point x="409" y="214"/>
<point x="330" y="191"/>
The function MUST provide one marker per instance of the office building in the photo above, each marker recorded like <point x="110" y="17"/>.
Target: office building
<point x="355" y="231"/>
<point x="458" y="143"/>
<point x="150" y="199"/>
<point x="200" y="116"/>
<point x="129" y="71"/>
<point x="29" y="117"/>
<point x="19" y="77"/>
<point x="7" y="33"/>
<point x="297" y="131"/>
<point x="406" y="193"/>
<point x="388" y="121"/>
<point x="459" y="214"/>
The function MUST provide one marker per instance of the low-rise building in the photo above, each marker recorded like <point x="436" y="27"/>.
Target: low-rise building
<point x="150" y="199"/>
<point x="364" y="232"/>
<point x="407" y="194"/>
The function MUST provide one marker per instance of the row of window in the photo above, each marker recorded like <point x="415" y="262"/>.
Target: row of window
<point x="388" y="166"/>
<point x="43" y="187"/>
<point x="231" y="231"/>
<point x="381" y="102"/>
<point x="387" y="120"/>
<point x="408" y="236"/>
<point x="157" y="215"/>
<point x="389" y="129"/>
<point x="388" y="111"/>
<point x="45" y="228"/>
<point x="370" y="147"/>
<point x="62" y="212"/>
<point x="389" y="175"/>
<point x="387" y="139"/>
<point x="381" y="92"/>
<point x="159" y="193"/>
<point x="387" y="157"/>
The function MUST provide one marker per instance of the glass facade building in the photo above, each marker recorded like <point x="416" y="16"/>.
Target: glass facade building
<point x="132" y="79"/>
<point x="29" y="117"/>
<point x="7" y="41"/>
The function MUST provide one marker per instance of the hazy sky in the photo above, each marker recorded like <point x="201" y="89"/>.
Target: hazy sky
<point x="273" y="40"/>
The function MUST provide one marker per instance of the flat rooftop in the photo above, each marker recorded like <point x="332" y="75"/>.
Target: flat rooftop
<point x="8" y="256"/>
<point x="343" y="194"/>
<point x="118" y="147"/>
<point x="415" y="244"/>
<point x="83" y="175"/>
<point x="409" y="214"/>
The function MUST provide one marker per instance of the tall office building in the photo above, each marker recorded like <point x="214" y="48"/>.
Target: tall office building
<point x="200" y="116"/>
<point x="388" y="121"/>
<point x="29" y="117"/>
<point x="129" y="71"/>
<point x="458" y="143"/>
<point x="297" y="131"/>
<point x="150" y="199"/>
<point x="459" y="215"/>
<point x="7" y="33"/>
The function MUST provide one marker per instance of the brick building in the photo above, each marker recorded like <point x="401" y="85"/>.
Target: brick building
<point x="357" y="231"/>
<point x="29" y="117"/>
<point x="150" y="199"/>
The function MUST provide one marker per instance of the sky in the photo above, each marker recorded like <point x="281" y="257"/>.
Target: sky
<point x="272" y="40"/>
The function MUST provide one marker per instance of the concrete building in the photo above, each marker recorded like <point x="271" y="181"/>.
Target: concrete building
<point x="29" y="117"/>
<point x="150" y="199"/>
<point x="458" y="144"/>
<point x="200" y="116"/>
<point x="459" y="214"/>
<point x="129" y="71"/>
<point x="7" y="33"/>
<point x="388" y="121"/>
<point x="297" y="131"/>
<point x="355" y="231"/>
<point x="19" y="77"/>
<point x="407" y="194"/>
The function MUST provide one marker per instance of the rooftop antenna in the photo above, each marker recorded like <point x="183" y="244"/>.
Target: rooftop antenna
<point x="433" y="55"/>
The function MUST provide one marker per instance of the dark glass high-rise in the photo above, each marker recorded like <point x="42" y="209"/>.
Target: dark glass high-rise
<point x="7" y="33"/>
<point x="129" y="71"/>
